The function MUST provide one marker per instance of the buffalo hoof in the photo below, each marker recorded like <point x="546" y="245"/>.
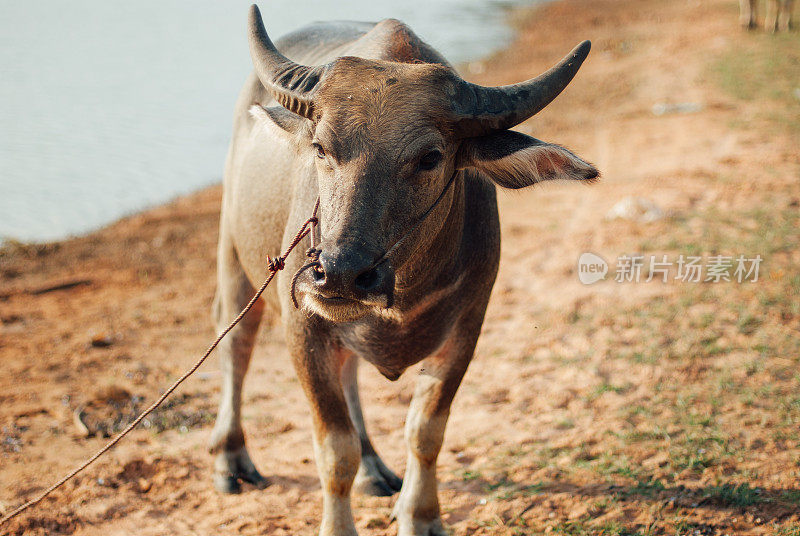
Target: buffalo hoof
<point x="231" y="483"/>
<point x="374" y="478"/>
<point x="748" y="24"/>
<point x="420" y="527"/>
<point x="233" y="468"/>
<point x="409" y="525"/>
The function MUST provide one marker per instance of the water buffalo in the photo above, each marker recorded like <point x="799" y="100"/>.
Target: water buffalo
<point x="404" y="156"/>
<point x="778" y="17"/>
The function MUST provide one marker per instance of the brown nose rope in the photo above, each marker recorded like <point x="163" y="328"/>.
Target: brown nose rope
<point x="274" y="265"/>
<point x="414" y="227"/>
<point x="313" y="252"/>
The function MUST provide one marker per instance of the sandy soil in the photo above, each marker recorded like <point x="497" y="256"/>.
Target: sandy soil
<point x="605" y="409"/>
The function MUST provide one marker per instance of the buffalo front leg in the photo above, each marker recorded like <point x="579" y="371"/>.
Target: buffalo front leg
<point x="232" y="463"/>
<point x="417" y="507"/>
<point x="336" y="445"/>
<point x="373" y="477"/>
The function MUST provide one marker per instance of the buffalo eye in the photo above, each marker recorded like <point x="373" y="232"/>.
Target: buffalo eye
<point x="320" y="150"/>
<point x="430" y="160"/>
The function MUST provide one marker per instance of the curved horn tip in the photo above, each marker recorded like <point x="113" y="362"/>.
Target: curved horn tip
<point x="254" y="20"/>
<point x="582" y="50"/>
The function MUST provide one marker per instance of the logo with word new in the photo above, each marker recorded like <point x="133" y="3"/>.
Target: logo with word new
<point x="591" y="268"/>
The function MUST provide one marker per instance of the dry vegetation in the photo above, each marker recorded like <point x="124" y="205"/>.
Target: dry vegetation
<point x="614" y="409"/>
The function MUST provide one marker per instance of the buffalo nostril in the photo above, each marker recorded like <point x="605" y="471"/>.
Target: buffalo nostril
<point x="367" y="280"/>
<point x="318" y="274"/>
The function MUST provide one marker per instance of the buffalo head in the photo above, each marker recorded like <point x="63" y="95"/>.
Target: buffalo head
<point x="385" y="138"/>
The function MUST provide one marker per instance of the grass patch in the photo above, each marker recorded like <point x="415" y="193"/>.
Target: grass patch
<point x="470" y="475"/>
<point x="646" y="488"/>
<point x="697" y="450"/>
<point x="609" y="465"/>
<point x="571" y="528"/>
<point x="609" y="528"/>
<point x="606" y="387"/>
<point x="791" y="497"/>
<point x="684" y="527"/>
<point x="789" y="530"/>
<point x="503" y="488"/>
<point x="740" y="496"/>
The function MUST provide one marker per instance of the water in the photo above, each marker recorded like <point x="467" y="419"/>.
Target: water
<point x="107" y="108"/>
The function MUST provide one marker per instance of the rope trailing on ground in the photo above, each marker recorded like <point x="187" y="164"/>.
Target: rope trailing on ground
<point x="274" y="265"/>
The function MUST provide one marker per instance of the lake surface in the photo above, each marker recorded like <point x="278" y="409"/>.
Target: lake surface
<point x="107" y="108"/>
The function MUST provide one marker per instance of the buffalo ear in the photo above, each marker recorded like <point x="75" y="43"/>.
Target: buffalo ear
<point x="514" y="160"/>
<point x="278" y="116"/>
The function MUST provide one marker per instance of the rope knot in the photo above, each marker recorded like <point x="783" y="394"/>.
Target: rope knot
<point x="313" y="253"/>
<point x="275" y="264"/>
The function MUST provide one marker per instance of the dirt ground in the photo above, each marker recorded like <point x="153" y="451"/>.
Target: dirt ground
<point x="613" y="408"/>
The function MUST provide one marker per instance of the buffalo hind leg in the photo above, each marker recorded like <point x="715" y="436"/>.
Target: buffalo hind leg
<point x="785" y="16"/>
<point x="779" y="15"/>
<point x="747" y="14"/>
<point x="417" y="507"/>
<point x="233" y="463"/>
<point x="373" y="477"/>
